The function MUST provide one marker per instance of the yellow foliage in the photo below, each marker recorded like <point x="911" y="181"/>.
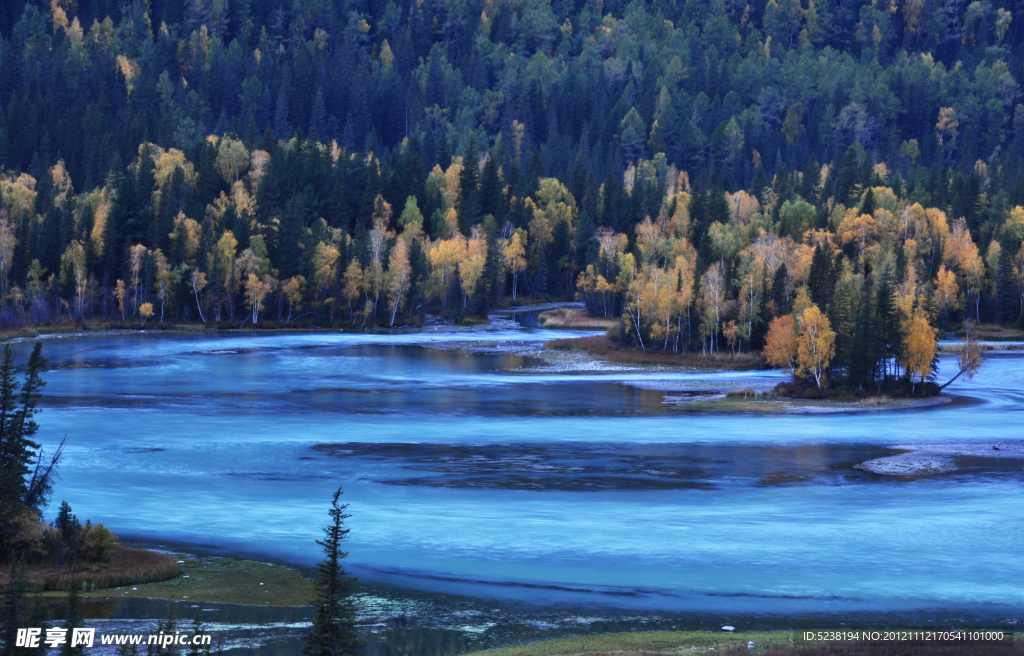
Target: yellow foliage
<point x="918" y="346"/>
<point x="781" y="343"/>
<point x="816" y="345"/>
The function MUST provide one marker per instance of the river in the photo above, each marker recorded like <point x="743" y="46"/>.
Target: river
<point x="474" y="467"/>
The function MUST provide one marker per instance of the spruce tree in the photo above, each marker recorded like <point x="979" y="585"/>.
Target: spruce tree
<point x="822" y="278"/>
<point x="72" y="620"/>
<point x="25" y="481"/>
<point x="12" y="610"/>
<point x="334" y="622"/>
<point x="469" y="210"/>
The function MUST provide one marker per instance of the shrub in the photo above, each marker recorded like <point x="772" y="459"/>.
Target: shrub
<point x="97" y="542"/>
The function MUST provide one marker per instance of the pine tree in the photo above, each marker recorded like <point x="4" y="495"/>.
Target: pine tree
<point x="492" y="197"/>
<point x="69" y="528"/>
<point x="24" y="487"/>
<point x="868" y="205"/>
<point x="469" y="210"/>
<point x="12" y="609"/>
<point x="334" y="623"/>
<point x="779" y="293"/>
<point x="822" y="277"/>
<point x="197" y="630"/>
<point x="72" y="620"/>
<point x="165" y="627"/>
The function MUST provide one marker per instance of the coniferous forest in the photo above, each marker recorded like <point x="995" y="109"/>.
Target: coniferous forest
<point x="835" y="175"/>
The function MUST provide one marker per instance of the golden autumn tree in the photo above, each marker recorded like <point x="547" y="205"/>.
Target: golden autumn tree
<point x="513" y="258"/>
<point x="292" y="291"/>
<point x="185" y="237"/>
<point x="136" y="257"/>
<point x="353" y="285"/>
<point x="962" y="253"/>
<point x="471" y="264"/>
<point x="121" y="294"/>
<point x="256" y="289"/>
<point x="780" y="347"/>
<point x="73" y="270"/>
<point x="444" y="256"/>
<point x="198" y="284"/>
<point x="8" y="242"/>
<point x="399" y="272"/>
<point x="919" y="347"/>
<point x="325" y="256"/>
<point x="163" y="279"/>
<point x="816" y="345"/>
<point x="946" y="290"/>
<point x="224" y="258"/>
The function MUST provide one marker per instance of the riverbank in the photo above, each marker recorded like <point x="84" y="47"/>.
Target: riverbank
<point x="644" y="643"/>
<point x="606" y="348"/>
<point x="216" y="579"/>
<point x="430" y="323"/>
<point x="123" y="567"/>
<point x="778" y="643"/>
<point x="747" y="401"/>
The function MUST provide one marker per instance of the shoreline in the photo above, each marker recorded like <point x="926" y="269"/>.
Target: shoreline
<point x="431" y="323"/>
<point x="932" y="459"/>
<point x="722" y="404"/>
<point x="227" y="579"/>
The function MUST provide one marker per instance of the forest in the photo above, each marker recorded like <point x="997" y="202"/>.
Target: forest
<point x="723" y="176"/>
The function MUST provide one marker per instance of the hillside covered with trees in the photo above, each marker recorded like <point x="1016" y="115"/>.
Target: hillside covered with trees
<point x="705" y="170"/>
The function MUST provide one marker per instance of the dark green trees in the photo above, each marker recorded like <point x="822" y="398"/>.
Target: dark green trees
<point x="334" y="623"/>
<point x="25" y="479"/>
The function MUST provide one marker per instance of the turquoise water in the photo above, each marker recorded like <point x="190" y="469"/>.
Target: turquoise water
<point x="473" y="468"/>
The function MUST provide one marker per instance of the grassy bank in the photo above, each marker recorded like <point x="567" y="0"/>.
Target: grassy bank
<point x="227" y="580"/>
<point x="774" y="643"/>
<point x="993" y="332"/>
<point x="746" y="401"/>
<point x="642" y="643"/>
<point x="125" y="567"/>
<point x="608" y="349"/>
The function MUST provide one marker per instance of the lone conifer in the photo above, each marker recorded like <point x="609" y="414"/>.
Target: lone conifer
<point x="334" y="625"/>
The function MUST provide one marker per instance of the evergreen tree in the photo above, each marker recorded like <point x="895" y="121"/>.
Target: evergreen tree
<point x="24" y="487"/>
<point x="72" y="620"/>
<point x="868" y="204"/>
<point x="334" y="624"/>
<point x="69" y="527"/>
<point x="492" y="200"/>
<point x="20" y="611"/>
<point x="469" y="206"/>
<point x="779" y="294"/>
<point x="822" y="278"/>
<point x="197" y="630"/>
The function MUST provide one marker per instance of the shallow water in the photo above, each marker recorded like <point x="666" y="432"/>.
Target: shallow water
<point x="471" y="468"/>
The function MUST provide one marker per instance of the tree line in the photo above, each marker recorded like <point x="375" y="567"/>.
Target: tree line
<point x="700" y="169"/>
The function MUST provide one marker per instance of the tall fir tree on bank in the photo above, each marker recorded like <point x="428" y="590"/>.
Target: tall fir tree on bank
<point x="25" y="479"/>
<point x="334" y="623"/>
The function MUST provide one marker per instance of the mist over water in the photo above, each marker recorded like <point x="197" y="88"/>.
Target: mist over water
<point x="473" y="467"/>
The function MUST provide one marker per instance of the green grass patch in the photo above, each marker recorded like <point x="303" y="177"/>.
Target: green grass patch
<point x="648" y="643"/>
<point x="227" y="580"/>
